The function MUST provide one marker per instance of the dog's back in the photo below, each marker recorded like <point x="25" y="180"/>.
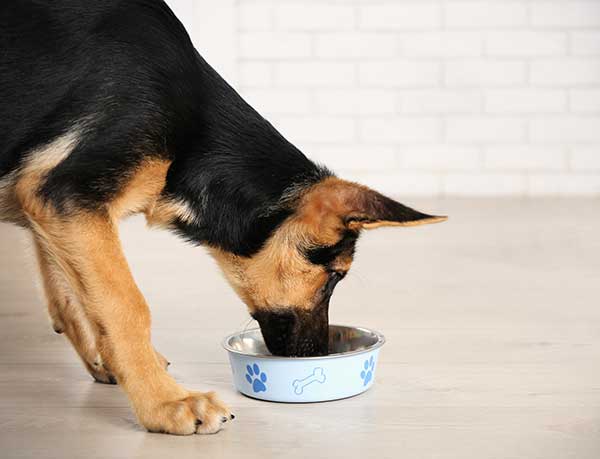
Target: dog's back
<point x="46" y="51"/>
<point x="102" y="71"/>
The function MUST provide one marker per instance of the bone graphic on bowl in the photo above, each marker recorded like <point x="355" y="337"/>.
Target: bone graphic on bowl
<point x="318" y="375"/>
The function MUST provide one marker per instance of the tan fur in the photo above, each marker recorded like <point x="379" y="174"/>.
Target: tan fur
<point x="42" y="161"/>
<point x="68" y="316"/>
<point x="49" y="156"/>
<point x="325" y="205"/>
<point x="88" y="245"/>
<point x="381" y="224"/>
<point x="164" y="211"/>
<point x="84" y="250"/>
<point x="142" y="190"/>
<point x="279" y="275"/>
<point x="39" y="162"/>
<point x="9" y="207"/>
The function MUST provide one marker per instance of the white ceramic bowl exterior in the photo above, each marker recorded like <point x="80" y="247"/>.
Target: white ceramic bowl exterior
<point x="260" y="375"/>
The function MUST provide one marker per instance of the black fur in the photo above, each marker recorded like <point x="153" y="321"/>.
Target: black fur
<point x="126" y="75"/>
<point x="324" y="255"/>
<point x="293" y="332"/>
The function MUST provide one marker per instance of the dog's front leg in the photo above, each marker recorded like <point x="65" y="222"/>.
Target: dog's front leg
<point x="89" y="253"/>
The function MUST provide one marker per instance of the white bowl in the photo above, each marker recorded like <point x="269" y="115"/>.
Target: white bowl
<point x="347" y="371"/>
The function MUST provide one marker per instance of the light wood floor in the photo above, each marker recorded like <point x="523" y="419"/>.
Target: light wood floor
<point x="493" y="328"/>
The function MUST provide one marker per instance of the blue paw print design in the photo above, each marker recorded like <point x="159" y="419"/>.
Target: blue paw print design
<point x="367" y="374"/>
<point x="257" y="378"/>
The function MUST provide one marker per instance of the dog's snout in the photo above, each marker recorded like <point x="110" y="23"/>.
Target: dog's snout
<point x="290" y="332"/>
<point x="277" y="329"/>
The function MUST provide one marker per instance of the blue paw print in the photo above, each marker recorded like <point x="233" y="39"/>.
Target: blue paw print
<point x="255" y="377"/>
<point x="367" y="374"/>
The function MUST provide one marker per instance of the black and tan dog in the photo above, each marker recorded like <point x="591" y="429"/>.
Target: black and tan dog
<point x="106" y="109"/>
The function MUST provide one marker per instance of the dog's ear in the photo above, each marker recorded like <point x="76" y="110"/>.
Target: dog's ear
<point x="369" y="209"/>
<point x="338" y="203"/>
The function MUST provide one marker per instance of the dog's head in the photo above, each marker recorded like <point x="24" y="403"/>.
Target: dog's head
<point x="288" y="283"/>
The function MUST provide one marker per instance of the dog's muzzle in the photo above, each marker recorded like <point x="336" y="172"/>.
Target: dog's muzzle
<point x="294" y="332"/>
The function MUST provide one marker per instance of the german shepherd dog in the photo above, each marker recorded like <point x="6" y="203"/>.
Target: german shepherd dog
<point x="106" y="110"/>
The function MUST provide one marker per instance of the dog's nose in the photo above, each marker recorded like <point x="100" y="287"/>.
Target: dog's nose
<point x="277" y="328"/>
<point x="292" y="332"/>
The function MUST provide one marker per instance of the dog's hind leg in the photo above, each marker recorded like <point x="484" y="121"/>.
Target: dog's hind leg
<point x="67" y="315"/>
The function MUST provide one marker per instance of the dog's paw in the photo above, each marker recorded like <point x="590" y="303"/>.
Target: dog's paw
<point x="199" y="413"/>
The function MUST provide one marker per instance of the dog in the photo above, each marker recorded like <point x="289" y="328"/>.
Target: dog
<point x="107" y="110"/>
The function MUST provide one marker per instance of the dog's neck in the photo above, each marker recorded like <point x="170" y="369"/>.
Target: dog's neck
<point x="233" y="177"/>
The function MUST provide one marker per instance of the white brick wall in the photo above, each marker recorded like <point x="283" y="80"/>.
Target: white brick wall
<point x="434" y="97"/>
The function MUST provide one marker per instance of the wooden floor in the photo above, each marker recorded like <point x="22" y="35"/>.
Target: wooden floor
<point x="493" y="328"/>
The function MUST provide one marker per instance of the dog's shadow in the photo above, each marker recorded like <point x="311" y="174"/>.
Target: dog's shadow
<point x="110" y="406"/>
<point x="114" y="418"/>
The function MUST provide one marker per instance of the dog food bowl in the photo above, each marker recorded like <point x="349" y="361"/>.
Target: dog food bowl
<point x="348" y="370"/>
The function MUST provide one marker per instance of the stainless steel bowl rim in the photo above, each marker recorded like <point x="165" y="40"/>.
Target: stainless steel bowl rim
<point x="380" y="342"/>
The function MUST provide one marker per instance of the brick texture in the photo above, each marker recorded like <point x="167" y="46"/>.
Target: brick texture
<point x="432" y="97"/>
